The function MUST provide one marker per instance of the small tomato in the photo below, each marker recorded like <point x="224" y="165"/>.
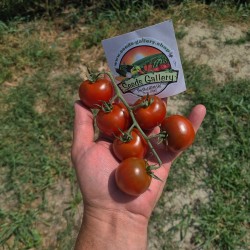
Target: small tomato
<point x="149" y="111"/>
<point x="112" y="119"/>
<point x="95" y="93"/>
<point x="132" y="177"/>
<point x="180" y="132"/>
<point x="130" y="145"/>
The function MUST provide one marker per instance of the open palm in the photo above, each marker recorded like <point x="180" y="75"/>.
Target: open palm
<point x="95" y="166"/>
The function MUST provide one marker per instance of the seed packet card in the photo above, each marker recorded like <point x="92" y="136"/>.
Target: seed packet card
<point x="146" y="61"/>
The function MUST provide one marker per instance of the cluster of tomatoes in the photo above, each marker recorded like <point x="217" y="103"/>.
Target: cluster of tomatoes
<point x="128" y="126"/>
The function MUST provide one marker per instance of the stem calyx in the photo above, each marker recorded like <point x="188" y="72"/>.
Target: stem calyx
<point x="125" y="136"/>
<point x="149" y="169"/>
<point x="107" y="107"/>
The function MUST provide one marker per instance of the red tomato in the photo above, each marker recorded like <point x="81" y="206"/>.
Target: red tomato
<point x="164" y="66"/>
<point x="150" y="116"/>
<point x="131" y="176"/>
<point x="156" y="69"/>
<point x="148" y="67"/>
<point x="145" y="67"/>
<point x="132" y="145"/>
<point x="126" y="113"/>
<point x="180" y="132"/>
<point x="94" y="93"/>
<point x="110" y="121"/>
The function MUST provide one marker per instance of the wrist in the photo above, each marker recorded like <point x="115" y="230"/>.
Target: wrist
<point x="112" y="229"/>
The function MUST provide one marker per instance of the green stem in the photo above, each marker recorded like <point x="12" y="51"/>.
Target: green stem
<point x="131" y="128"/>
<point x="113" y="98"/>
<point x="135" y="124"/>
<point x="161" y="135"/>
<point x="153" y="136"/>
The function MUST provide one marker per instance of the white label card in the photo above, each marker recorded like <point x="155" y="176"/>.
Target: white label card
<point x="146" y="61"/>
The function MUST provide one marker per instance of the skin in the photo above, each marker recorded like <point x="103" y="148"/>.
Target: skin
<point x="112" y="219"/>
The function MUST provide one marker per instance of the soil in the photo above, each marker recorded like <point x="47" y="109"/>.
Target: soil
<point x="208" y="46"/>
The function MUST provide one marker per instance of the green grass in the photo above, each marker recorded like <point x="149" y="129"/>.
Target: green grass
<point x="223" y="222"/>
<point x="35" y="147"/>
<point x="242" y="40"/>
<point x="20" y="229"/>
<point x="39" y="81"/>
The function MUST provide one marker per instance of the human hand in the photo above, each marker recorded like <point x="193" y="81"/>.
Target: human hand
<point x="95" y="165"/>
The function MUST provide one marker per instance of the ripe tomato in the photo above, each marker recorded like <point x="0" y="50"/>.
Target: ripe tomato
<point x="156" y="69"/>
<point x="180" y="132"/>
<point x="131" y="176"/>
<point x="112" y="120"/>
<point x="148" y="67"/>
<point x="151" y="115"/>
<point x="164" y="66"/>
<point x="126" y="113"/>
<point x="94" y="93"/>
<point x="130" y="145"/>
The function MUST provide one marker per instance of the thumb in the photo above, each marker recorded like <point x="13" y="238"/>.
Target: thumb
<point x="197" y="115"/>
<point x="83" y="132"/>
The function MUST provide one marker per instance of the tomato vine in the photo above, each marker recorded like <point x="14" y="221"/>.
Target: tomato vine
<point x="130" y="109"/>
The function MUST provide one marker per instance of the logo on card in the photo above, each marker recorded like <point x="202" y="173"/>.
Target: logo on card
<point x="145" y="66"/>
